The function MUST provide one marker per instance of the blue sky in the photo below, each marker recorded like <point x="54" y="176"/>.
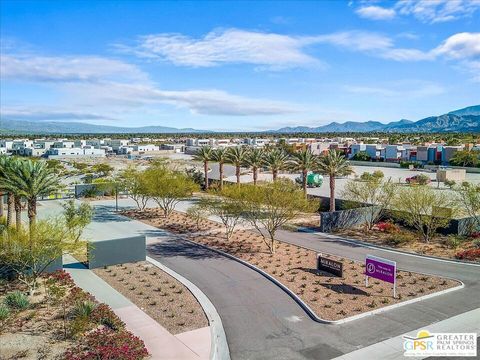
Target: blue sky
<point x="237" y="65"/>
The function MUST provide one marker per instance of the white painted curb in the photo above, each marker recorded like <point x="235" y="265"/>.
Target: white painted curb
<point x="219" y="347"/>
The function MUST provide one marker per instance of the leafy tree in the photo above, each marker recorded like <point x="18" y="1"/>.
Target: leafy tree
<point x="198" y="213"/>
<point x="374" y="192"/>
<point x="237" y="156"/>
<point x="304" y="161"/>
<point x="135" y="183"/>
<point x="167" y="187"/>
<point x="468" y="198"/>
<point x="333" y="164"/>
<point x="270" y="206"/>
<point x="465" y="158"/>
<point x="228" y="208"/>
<point x="28" y="254"/>
<point x="77" y="217"/>
<point x="425" y="209"/>
<point x="103" y="169"/>
<point x="361" y="156"/>
<point x="275" y="160"/>
<point x="220" y="155"/>
<point x="254" y="160"/>
<point x="204" y="154"/>
<point x="376" y="175"/>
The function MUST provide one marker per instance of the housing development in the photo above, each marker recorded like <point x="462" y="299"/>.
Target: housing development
<point x="230" y="180"/>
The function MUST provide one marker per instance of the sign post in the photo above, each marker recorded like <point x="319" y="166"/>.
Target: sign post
<point x="381" y="269"/>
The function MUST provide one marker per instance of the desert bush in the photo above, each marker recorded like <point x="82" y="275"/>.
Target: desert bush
<point x="471" y="254"/>
<point x="388" y="227"/>
<point x="4" y="312"/>
<point x="84" y="309"/>
<point x="106" y="344"/>
<point x="104" y="315"/>
<point x="454" y="241"/>
<point x="449" y="183"/>
<point x="17" y="300"/>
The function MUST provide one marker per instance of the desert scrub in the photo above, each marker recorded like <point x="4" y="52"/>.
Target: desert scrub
<point x="17" y="300"/>
<point x="4" y="312"/>
<point x="84" y="309"/>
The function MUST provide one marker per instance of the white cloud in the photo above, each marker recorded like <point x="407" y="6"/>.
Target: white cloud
<point x="48" y="114"/>
<point x="231" y="46"/>
<point x="404" y="89"/>
<point x="375" y="12"/>
<point x="206" y="102"/>
<point x="356" y="40"/>
<point x="460" y="46"/>
<point x="96" y="79"/>
<point x="434" y="11"/>
<point x="68" y="68"/>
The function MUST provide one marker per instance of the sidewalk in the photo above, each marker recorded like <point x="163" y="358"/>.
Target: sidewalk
<point x="161" y="344"/>
<point x="393" y="348"/>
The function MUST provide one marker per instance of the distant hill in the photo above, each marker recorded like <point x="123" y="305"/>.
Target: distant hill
<point x="54" y="127"/>
<point x="462" y="120"/>
<point x="471" y="110"/>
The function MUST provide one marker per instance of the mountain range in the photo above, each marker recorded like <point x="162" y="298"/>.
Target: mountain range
<point x="462" y="120"/>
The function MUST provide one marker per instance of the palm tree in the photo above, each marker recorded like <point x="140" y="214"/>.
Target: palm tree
<point x="5" y="166"/>
<point x="237" y="156"/>
<point x="276" y="160"/>
<point x="333" y="164"/>
<point x="254" y="160"/>
<point x="31" y="179"/>
<point x="204" y="154"/>
<point x="220" y="155"/>
<point x="304" y="161"/>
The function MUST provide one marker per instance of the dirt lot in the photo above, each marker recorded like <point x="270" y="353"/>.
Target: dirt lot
<point x="331" y="297"/>
<point x="161" y="296"/>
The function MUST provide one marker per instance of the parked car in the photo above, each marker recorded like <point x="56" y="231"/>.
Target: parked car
<point x="420" y="179"/>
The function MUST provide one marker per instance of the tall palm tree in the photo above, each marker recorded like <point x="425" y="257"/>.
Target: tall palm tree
<point x="237" y="156"/>
<point x="6" y="163"/>
<point x="220" y="155"/>
<point x="304" y="161"/>
<point x="204" y="154"/>
<point x="31" y="179"/>
<point x="333" y="164"/>
<point x="254" y="160"/>
<point x="276" y="160"/>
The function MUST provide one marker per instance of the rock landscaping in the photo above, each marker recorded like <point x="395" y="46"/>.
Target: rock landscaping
<point x="330" y="297"/>
<point x="391" y="235"/>
<point x="61" y="321"/>
<point x="161" y="296"/>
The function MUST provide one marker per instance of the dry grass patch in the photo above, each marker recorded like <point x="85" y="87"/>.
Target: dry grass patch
<point x="161" y="296"/>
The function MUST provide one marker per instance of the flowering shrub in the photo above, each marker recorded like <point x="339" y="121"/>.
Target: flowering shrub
<point x="79" y="295"/>
<point x="387" y="227"/>
<point x="104" y="315"/>
<point x="475" y="235"/>
<point x="62" y="278"/>
<point x="106" y="344"/>
<point x="471" y="254"/>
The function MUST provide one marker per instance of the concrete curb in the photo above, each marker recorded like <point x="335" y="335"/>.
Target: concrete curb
<point x="219" y="347"/>
<point x="307" y="308"/>
<point x="389" y="249"/>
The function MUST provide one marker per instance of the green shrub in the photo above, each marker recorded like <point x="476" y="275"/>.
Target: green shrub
<point x="84" y="309"/>
<point x="449" y="183"/>
<point x="17" y="300"/>
<point x="4" y="312"/>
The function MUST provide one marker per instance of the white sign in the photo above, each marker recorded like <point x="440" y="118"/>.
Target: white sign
<point x="440" y="344"/>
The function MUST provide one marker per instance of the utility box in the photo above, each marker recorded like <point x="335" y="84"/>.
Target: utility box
<point x="457" y="175"/>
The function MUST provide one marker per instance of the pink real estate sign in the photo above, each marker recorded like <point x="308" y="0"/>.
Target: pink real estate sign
<point x="381" y="269"/>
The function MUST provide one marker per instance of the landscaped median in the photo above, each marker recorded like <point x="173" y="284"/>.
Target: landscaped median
<point x="331" y="298"/>
<point x="158" y="294"/>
